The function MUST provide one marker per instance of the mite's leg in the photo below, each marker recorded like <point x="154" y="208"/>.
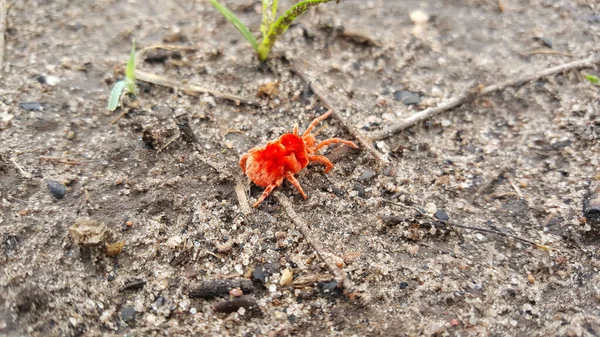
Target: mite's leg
<point x="330" y="141"/>
<point x="268" y="191"/>
<point x="290" y="177"/>
<point x="316" y="121"/>
<point x="323" y="160"/>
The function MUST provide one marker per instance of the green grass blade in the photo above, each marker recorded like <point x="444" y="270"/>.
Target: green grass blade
<point x="283" y="23"/>
<point x="593" y="79"/>
<point x="115" y="95"/>
<point x="130" y="70"/>
<point x="269" y="12"/>
<point x="236" y="22"/>
<point x="274" y="9"/>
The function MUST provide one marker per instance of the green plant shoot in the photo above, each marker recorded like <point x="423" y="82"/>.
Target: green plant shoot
<point x="593" y="79"/>
<point x="124" y="86"/>
<point x="270" y="28"/>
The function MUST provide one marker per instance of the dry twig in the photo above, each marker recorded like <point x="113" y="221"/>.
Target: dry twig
<point x="240" y="191"/>
<point x="21" y="171"/>
<point x="188" y="88"/>
<point x="478" y="229"/>
<point x="469" y="94"/>
<point x="3" y="10"/>
<point x="59" y="160"/>
<point x="300" y="69"/>
<point x="493" y="178"/>
<point x="325" y="256"/>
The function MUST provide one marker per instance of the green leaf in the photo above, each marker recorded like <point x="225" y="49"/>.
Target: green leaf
<point x="283" y="23"/>
<point x="593" y="79"/>
<point x="236" y="22"/>
<point x="130" y="70"/>
<point x="115" y="95"/>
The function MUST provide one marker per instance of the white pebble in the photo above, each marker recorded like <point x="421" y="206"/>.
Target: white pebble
<point x="419" y="17"/>
<point x="430" y="208"/>
<point x="52" y="80"/>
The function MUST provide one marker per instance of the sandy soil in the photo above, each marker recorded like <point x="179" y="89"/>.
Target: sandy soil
<point x="136" y="181"/>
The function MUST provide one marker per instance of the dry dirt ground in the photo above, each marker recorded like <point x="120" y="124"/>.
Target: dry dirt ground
<point x="179" y="218"/>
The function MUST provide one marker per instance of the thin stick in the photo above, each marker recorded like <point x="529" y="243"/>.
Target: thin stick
<point x="59" y="160"/>
<point x="188" y="88"/>
<point x="478" y="229"/>
<point x="23" y="172"/>
<point x="494" y="177"/>
<point x="300" y="69"/>
<point x="240" y="191"/>
<point x="3" y="10"/>
<point x="302" y="227"/>
<point x="469" y="94"/>
<point x="161" y="46"/>
<point x="121" y="115"/>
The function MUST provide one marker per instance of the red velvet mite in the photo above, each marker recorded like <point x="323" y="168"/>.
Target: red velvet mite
<point x="283" y="158"/>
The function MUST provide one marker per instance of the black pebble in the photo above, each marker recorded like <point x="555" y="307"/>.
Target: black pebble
<point x="543" y="40"/>
<point x="258" y="274"/>
<point x="338" y="191"/>
<point x="57" y="189"/>
<point x="133" y="285"/>
<point x="407" y="97"/>
<point x="366" y="175"/>
<point x="403" y="285"/>
<point x="31" y="106"/>
<point x="360" y="189"/>
<point x="440" y="214"/>
<point x="330" y="289"/>
<point x="128" y="314"/>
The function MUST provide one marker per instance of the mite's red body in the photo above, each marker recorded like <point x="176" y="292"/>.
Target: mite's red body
<point x="286" y="156"/>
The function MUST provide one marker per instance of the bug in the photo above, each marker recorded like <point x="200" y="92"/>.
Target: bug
<point x="282" y="158"/>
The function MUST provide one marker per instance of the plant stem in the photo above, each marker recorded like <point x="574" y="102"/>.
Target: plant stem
<point x="282" y="24"/>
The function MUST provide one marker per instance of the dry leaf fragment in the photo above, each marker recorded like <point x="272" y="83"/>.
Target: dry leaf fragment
<point x="286" y="277"/>
<point x="114" y="249"/>
<point x="269" y="89"/>
<point x="88" y="232"/>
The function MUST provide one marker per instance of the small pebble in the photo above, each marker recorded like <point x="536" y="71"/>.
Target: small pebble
<point x="31" y="106"/>
<point x="224" y="248"/>
<point x="403" y="285"/>
<point x="440" y="214"/>
<point x="258" y="274"/>
<point x="128" y="314"/>
<point x="366" y="175"/>
<point x="360" y="189"/>
<point x="193" y="311"/>
<point x="407" y="97"/>
<point x="430" y="208"/>
<point x="236" y="292"/>
<point x="57" y="189"/>
<point x="286" y="277"/>
<point x="419" y="17"/>
<point x="51" y="80"/>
